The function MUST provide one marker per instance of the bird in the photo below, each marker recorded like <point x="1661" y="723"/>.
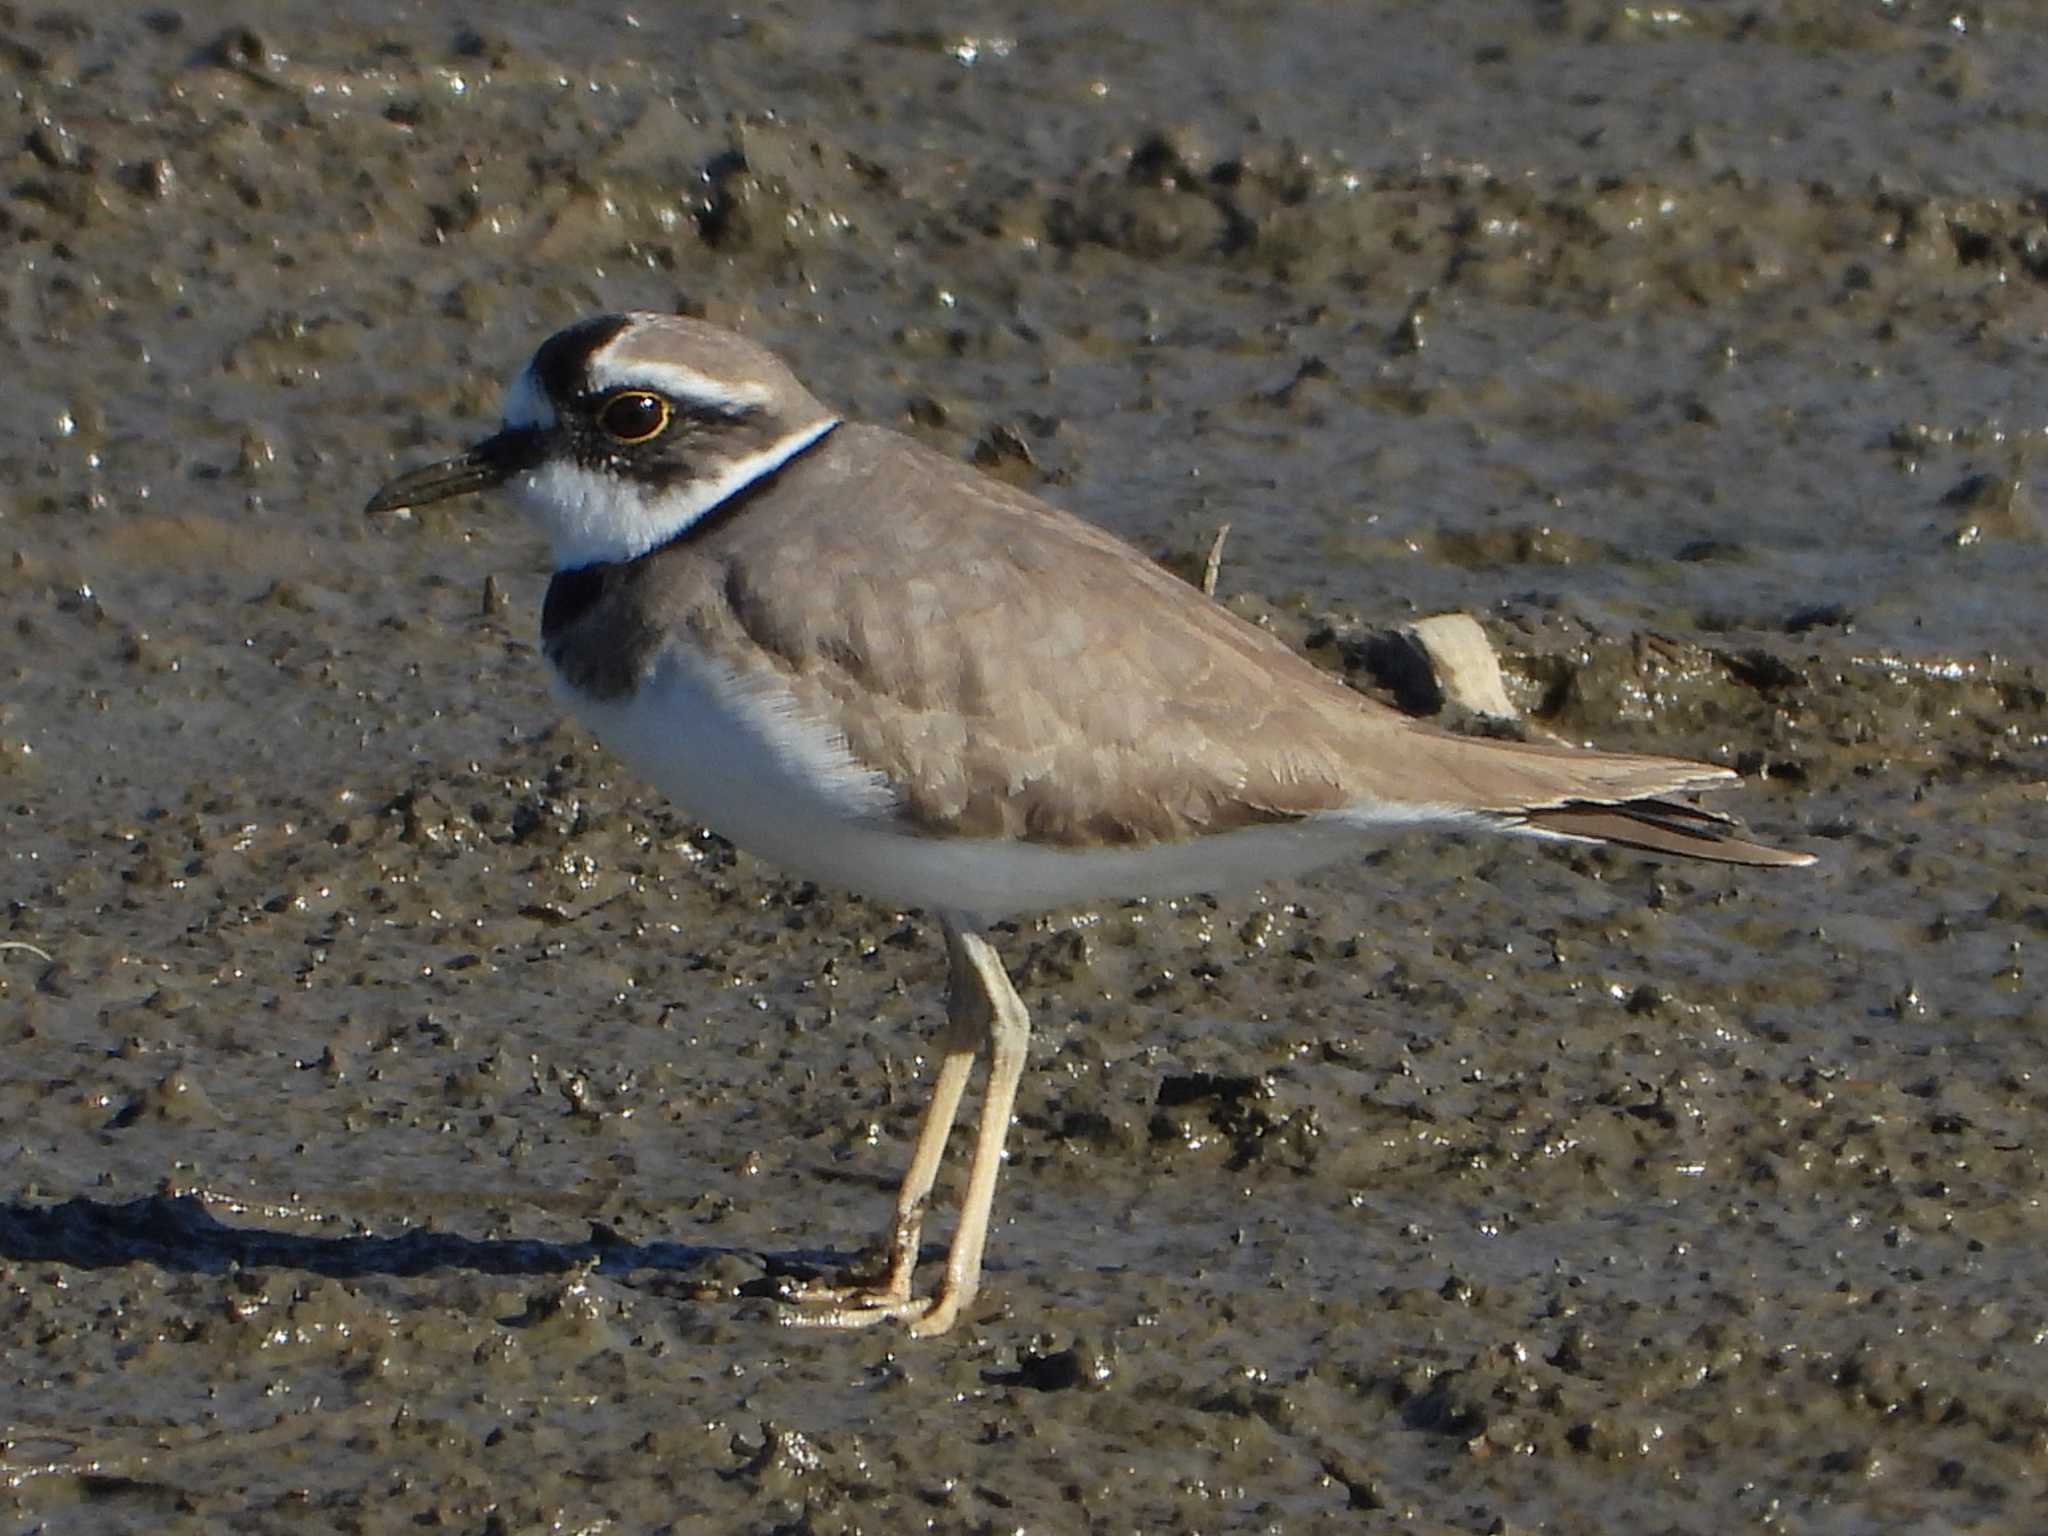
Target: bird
<point x="871" y="665"/>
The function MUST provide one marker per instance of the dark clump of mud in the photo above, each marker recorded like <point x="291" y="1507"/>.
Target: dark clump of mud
<point x="402" y="1111"/>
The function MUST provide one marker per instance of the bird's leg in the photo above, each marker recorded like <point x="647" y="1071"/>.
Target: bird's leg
<point x="981" y="1005"/>
<point x="889" y="1282"/>
<point x="1007" y="1027"/>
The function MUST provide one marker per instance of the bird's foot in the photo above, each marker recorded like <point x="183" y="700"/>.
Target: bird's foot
<point x="874" y="1288"/>
<point x="862" y="1306"/>
<point x="853" y="1289"/>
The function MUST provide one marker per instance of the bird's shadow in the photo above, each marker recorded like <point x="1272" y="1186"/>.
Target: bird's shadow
<point x="178" y="1233"/>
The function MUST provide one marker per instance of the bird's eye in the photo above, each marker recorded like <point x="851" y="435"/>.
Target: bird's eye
<point x="633" y="416"/>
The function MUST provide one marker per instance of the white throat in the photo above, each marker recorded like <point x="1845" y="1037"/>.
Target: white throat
<point x="591" y="517"/>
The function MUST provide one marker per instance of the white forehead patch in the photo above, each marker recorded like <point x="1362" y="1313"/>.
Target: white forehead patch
<point x="678" y="383"/>
<point x="527" y="404"/>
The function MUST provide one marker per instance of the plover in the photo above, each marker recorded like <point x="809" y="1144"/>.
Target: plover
<point x="871" y="665"/>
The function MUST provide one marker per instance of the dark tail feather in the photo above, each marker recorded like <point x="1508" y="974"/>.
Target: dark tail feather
<point x="1659" y="826"/>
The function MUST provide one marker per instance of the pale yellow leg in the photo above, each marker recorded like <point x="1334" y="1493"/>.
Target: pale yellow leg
<point x="891" y="1280"/>
<point x="1008" y="1028"/>
<point x="981" y="1006"/>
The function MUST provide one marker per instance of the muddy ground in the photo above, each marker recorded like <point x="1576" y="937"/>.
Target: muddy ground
<point x="402" y="1112"/>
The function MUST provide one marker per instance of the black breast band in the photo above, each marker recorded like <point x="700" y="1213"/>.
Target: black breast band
<point x="571" y="594"/>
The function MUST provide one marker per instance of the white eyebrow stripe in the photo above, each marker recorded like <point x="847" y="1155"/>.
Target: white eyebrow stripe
<point x="683" y="385"/>
<point x="527" y="404"/>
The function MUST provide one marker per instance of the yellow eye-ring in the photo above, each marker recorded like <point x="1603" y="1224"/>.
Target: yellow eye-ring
<point x="634" y="416"/>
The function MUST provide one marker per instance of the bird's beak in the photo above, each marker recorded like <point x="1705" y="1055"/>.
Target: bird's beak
<point x="491" y="462"/>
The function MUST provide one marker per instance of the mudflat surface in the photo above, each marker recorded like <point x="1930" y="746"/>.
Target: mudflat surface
<point x="401" y="1111"/>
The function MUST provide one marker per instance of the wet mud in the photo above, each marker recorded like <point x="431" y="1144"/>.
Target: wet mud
<point x="404" y="1116"/>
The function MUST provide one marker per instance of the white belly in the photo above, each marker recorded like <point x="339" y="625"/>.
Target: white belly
<point x="787" y="790"/>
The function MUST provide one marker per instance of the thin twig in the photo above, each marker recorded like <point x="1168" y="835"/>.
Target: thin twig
<point x="1214" y="564"/>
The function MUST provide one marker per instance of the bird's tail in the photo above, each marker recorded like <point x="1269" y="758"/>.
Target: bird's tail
<point x="1656" y="826"/>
